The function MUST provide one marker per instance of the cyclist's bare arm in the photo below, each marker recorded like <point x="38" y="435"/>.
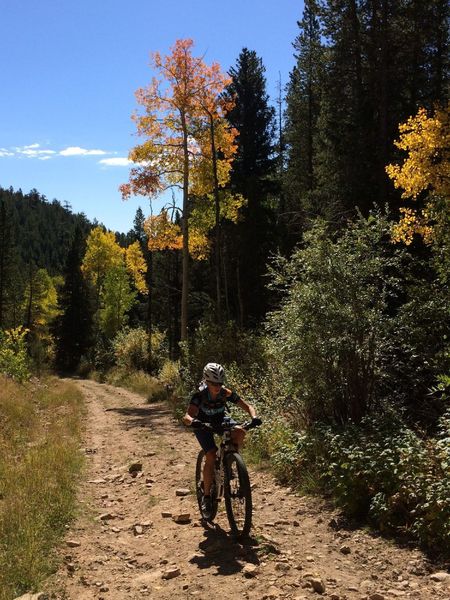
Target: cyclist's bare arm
<point x="247" y="407"/>
<point x="190" y="415"/>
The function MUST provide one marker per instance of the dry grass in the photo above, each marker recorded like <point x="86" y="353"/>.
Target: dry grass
<point x="137" y="381"/>
<point x="39" y="464"/>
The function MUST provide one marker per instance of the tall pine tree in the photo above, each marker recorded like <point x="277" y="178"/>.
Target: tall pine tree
<point x="302" y="113"/>
<point x="74" y="328"/>
<point x="380" y="60"/>
<point x="252" y="176"/>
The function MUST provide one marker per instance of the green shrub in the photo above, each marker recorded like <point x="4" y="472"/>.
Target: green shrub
<point x="228" y="345"/>
<point x="131" y="349"/>
<point x="13" y="354"/>
<point x="379" y="469"/>
<point x="360" y="325"/>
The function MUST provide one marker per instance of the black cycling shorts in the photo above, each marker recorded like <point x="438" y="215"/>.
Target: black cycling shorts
<point x="206" y="438"/>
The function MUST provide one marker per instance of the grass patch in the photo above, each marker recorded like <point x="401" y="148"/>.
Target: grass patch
<point x="39" y="467"/>
<point x="137" y="381"/>
<point x="153" y="501"/>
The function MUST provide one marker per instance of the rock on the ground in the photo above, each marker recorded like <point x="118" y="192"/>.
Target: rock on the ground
<point x="182" y="518"/>
<point x="135" y="467"/>
<point x="29" y="596"/>
<point x="440" y="576"/>
<point x="282" y="566"/>
<point x="317" y="585"/>
<point x="272" y="593"/>
<point x="73" y="543"/>
<point x="182" y="492"/>
<point x="171" y="573"/>
<point x="106" y="517"/>
<point x="250" y="570"/>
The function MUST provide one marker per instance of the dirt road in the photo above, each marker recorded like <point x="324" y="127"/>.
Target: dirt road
<point x="122" y="547"/>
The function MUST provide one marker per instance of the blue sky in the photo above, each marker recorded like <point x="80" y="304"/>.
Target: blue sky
<point x="69" y="72"/>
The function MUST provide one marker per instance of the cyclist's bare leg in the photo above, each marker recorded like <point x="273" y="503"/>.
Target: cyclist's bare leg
<point x="237" y="436"/>
<point x="208" y="471"/>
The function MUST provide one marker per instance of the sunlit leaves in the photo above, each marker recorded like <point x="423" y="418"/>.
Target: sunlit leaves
<point x="136" y="266"/>
<point x="102" y="253"/>
<point x="426" y="139"/>
<point x="118" y="297"/>
<point x="41" y="300"/>
<point x="184" y="119"/>
<point x="162" y="234"/>
<point x="115" y="271"/>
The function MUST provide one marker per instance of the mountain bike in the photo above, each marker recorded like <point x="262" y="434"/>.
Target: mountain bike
<point x="231" y="481"/>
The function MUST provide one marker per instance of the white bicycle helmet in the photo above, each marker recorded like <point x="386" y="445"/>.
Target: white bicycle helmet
<point x="214" y="372"/>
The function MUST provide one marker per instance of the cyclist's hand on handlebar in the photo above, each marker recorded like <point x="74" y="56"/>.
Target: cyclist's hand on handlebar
<point x="256" y="422"/>
<point x="199" y="425"/>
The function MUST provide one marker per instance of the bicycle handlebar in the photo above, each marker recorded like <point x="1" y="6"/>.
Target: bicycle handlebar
<point x="225" y="426"/>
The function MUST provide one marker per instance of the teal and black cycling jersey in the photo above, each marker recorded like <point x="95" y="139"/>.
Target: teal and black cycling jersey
<point x="209" y="410"/>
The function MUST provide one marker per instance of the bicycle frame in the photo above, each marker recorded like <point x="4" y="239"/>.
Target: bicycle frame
<point x="230" y="482"/>
<point x="219" y="464"/>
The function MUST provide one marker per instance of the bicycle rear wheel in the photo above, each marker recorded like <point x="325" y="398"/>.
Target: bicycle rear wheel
<point x="199" y="489"/>
<point x="238" y="495"/>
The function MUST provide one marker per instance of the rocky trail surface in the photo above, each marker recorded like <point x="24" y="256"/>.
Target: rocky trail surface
<point x="127" y="543"/>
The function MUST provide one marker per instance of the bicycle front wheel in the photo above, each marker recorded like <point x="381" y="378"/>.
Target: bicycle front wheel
<point x="238" y="495"/>
<point x="199" y="488"/>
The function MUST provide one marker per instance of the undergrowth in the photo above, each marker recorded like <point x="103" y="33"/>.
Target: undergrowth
<point x="40" y="463"/>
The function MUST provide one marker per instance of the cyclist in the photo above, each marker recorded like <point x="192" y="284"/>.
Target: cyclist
<point x="208" y="405"/>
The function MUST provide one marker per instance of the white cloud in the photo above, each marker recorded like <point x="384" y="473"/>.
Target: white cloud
<point x="77" y="151"/>
<point x="36" y="151"/>
<point x="31" y="151"/>
<point x="115" y="162"/>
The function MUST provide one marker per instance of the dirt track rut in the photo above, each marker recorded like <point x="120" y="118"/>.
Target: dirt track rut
<point x="121" y="547"/>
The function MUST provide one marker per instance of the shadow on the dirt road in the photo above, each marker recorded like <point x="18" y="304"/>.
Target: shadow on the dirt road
<point x="220" y="550"/>
<point x="150" y="417"/>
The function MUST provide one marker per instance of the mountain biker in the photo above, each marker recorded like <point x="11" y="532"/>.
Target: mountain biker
<point x="208" y="405"/>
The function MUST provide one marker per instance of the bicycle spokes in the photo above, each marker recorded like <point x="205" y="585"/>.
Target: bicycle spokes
<point x="238" y="495"/>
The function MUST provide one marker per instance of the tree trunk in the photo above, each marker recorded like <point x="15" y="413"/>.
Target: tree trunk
<point x="383" y="108"/>
<point x="3" y="251"/>
<point x="239" y="293"/>
<point x="185" y="231"/>
<point x="225" y="281"/>
<point x="149" y="307"/>
<point x="30" y="300"/>
<point x="217" y="210"/>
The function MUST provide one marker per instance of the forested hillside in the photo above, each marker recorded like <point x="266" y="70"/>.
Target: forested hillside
<point x="308" y="251"/>
<point x="38" y="231"/>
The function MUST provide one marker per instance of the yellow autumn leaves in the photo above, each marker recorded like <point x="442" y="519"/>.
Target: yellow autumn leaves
<point x="103" y="253"/>
<point x="426" y="139"/>
<point x="164" y="234"/>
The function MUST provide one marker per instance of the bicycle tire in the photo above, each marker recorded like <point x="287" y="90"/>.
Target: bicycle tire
<point x="199" y="488"/>
<point x="238" y="495"/>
